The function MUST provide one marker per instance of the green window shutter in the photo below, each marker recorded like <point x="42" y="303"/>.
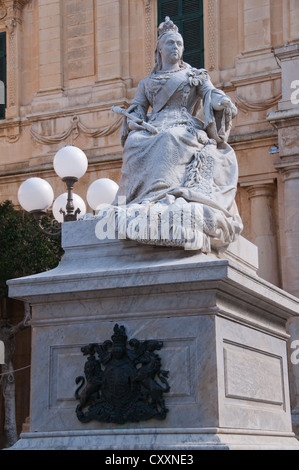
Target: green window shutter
<point x="2" y="75"/>
<point x="188" y="16"/>
<point x="168" y="8"/>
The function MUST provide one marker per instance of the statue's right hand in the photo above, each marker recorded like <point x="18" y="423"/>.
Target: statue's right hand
<point x="133" y="126"/>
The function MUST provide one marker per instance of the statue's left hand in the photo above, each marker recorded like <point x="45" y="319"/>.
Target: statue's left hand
<point x="224" y="103"/>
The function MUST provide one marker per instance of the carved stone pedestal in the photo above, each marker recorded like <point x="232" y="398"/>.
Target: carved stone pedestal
<point x="223" y="333"/>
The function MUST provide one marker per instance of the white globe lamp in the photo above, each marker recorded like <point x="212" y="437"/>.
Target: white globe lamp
<point x="70" y="162"/>
<point x="59" y="206"/>
<point x="101" y="193"/>
<point x="35" y="194"/>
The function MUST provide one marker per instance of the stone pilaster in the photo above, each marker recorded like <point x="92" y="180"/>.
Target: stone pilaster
<point x="291" y="221"/>
<point x="150" y="33"/>
<point x="211" y="37"/>
<point x="113" y="38"/>
<point x="13" y="24"/>
<point x="263" y="228"/>
<point x="50" y="47"/>
<point x="286" y="121"/>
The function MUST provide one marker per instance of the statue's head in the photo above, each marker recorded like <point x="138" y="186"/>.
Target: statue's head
<point x="167" y="31"/>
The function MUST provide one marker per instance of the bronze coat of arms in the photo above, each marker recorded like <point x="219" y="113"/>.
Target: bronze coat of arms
<point x="123" y="381"/>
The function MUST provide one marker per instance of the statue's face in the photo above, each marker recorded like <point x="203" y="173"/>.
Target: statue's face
<point x="171" y="47"/>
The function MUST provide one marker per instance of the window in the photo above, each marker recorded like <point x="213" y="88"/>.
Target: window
<point x="188" y="16"/>
<point x="2" y="75"/>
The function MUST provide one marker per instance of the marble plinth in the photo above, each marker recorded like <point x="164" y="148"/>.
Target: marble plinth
<point x="224" y="335"/>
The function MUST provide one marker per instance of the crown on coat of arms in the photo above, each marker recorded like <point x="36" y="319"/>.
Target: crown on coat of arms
<point x="119" y="337"/>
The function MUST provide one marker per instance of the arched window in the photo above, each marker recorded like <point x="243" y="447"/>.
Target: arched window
<point x="188" y="16"/>
<point x="2" y="75"/>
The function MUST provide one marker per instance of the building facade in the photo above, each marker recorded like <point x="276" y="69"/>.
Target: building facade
<point x="64" y="63"/>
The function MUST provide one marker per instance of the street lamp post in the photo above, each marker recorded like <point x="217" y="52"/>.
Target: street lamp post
<point x="70" y="163"/>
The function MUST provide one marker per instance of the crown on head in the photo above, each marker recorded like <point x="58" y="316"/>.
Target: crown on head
<point x="119" y="337"/>
<point x="167" y="26"/>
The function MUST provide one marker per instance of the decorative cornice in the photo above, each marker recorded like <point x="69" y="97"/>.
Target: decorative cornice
<point x="15" y="3"/>
<point x="284" y="118"/>
<point x="254" y="78"/>
<point x="290" y="172"/>
<point x="17" y="172"/>
<point x="261" y="189"/>
<point x="96" y="107"/>
<point x="287" y="52"/>
<point x="249" y="181"/>
<point x="250" y="138"/>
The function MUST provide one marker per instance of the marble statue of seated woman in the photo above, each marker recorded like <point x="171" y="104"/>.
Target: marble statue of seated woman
<point x="179" y="175"/>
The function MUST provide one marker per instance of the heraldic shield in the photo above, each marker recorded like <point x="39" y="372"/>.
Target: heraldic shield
<point x="120" y="383"/>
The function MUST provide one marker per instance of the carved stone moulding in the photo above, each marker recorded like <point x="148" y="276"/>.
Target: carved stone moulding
<point x="3" y="11"/>
<point x="76" y="127"/>
<point x="10" y="130"/>
<point x="13" y="3"/>
<point x="10" y="8"/>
